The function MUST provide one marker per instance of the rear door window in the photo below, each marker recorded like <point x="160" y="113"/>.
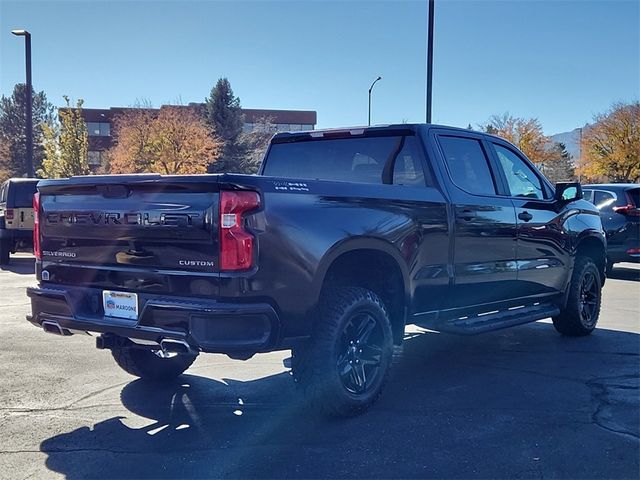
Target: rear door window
<point x="603" y="200"/>
<point x="587" y="195"/>
<point x="467" y="164"/>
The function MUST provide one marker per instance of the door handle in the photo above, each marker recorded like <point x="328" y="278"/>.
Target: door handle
<point x="467" y="215"/>
<point x="525" y="216"/>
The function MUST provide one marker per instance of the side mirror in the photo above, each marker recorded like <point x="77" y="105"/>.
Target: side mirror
<point x="568" y="191"/>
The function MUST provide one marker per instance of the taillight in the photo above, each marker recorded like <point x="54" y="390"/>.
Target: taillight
<point x="630" y="210"/>
<point x="36" y="226"/>
<point x="8" y="214"/>
<point x="236" y="244"/>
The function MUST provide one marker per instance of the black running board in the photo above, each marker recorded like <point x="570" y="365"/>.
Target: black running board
<point x="495" y="320"/>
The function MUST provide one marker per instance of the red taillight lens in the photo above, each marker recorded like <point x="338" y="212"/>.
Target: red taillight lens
<point x="630" y="210"/>
<point x="36" y="226"/>
<point x="236" y="244"/>
<point x="8" y="214"/>
<point x="634" y="252"/>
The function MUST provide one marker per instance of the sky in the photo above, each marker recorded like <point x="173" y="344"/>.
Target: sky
<point x="558" y="61"/>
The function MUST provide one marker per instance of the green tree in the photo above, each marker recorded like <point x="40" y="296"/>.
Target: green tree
<point x="66" y="145"/>
<point x="5" y="159"/>
<point x="223" y="114"/>
<point x="559" y="166"/>
<point x="254" y="144"/>
<point x="13" y="127"/>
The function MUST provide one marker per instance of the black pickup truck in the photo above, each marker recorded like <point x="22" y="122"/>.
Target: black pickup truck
<point x="343" y="238"/>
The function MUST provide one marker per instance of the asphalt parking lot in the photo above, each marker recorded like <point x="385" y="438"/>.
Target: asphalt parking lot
<point x="519" y="403"/>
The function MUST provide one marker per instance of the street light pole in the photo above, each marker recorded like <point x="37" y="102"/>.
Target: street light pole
<point x="430" y="61"/>
<point x="28" y="99"/>
<point x="371" y="88"/>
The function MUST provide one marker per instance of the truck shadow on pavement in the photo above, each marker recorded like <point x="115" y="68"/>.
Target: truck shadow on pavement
<point x="523" y="402"/>
<point x="21" y="265"/>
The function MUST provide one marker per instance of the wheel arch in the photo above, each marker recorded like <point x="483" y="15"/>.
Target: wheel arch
<point x="593" y="246"/>
<point x="373" y="264"/>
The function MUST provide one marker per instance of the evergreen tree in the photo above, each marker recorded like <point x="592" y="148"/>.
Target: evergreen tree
<point x="13" y="128"/>
<point x="66" y="145"/>
<point x="5" y="159"/>
<point x="223" y="114"/>
<point x="559" y="167"/>
<point x="255" y="143"/>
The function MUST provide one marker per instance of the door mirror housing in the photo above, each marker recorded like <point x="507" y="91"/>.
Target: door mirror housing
<point x="568" y="192"/>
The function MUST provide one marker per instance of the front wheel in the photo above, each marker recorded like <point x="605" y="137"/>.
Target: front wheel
<point x="344" y="366"/>
<point x="150" y="365"/>
<point x="580" y="315"/>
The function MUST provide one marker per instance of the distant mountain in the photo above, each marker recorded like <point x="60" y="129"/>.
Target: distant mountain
<point x="571" y="140"/>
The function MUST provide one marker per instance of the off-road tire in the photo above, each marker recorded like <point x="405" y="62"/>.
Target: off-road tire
<point x="5" y="250"/>
<point x="315" y="364"/>
<point x="571" y="321"/>
<point x="149" y="366"/>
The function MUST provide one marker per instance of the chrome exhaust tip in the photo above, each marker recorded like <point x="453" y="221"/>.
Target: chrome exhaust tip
<point x="170" y="345"/>
<point x="55" y="329"/>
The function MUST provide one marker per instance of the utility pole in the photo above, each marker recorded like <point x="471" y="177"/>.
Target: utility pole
<point x="28" y="100"/>
<point x="430" y="61"/>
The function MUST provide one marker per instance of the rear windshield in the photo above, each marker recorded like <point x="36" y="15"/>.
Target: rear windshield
<point x="634" y="193"/>
<point x="23" y="194"/>
<point x="360" y="160"/>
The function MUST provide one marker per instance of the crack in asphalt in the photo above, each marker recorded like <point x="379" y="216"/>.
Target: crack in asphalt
<point x="531" y="372"/>
<point x="603" y="390"/>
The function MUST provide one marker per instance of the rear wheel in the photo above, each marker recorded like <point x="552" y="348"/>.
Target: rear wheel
<point x="580" y="315"/>
<point x="343" y="368"/>
<point x="5" y="250"/>
<point x="152" y="365"/>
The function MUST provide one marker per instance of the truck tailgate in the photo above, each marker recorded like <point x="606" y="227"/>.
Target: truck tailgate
<point x="145" y="224"/>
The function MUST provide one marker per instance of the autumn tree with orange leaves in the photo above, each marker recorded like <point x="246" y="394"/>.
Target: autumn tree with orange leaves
<point x="174" y="140"/>
<point x="526" y="134"/>
<point x="550" y="157"/>
<point x="611" y="145"/>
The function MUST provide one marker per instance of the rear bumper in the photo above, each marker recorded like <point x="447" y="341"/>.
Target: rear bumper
<point x="619" y="253"/>
<point x="205" y="325"/>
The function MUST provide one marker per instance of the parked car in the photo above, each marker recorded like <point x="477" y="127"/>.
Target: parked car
<point x="343" y="238"/>
<point x="16" y="216"/>
<point x="619" y="206"/>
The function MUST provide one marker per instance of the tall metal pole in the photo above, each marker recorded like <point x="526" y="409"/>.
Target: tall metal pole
<point x="371" y="88"/>
<point x="28" y="100"/>
<point x="430" y="61"/>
